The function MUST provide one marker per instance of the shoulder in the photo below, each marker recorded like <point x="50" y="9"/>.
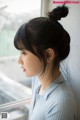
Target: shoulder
<point x="62" y="108"/>
<point x="61" y="102"/>
<point x="63" y="94"/>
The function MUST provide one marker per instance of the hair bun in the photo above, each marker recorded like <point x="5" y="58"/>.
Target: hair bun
<point x="58" y="13"/>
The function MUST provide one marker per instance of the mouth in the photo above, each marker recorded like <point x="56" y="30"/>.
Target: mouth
<point x="23" y="69"/>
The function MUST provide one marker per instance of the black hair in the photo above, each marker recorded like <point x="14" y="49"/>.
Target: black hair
<point x="42" y="33"/>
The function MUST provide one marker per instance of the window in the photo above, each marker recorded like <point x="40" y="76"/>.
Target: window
<point x="15" y="91"/>
<point x="14" y="13"/>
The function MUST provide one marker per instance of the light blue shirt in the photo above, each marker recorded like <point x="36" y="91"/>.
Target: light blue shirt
<point x="56" y="103"/>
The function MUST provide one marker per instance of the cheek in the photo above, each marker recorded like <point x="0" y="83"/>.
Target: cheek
<point x="33" y="67"/>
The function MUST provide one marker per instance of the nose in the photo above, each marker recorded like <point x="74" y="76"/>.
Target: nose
<point x="20" y="60"/>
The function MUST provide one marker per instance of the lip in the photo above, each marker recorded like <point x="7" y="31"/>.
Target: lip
<point x="23" y="69"/>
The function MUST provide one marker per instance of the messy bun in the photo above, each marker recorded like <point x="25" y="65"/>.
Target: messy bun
<point x="58" y="13"/>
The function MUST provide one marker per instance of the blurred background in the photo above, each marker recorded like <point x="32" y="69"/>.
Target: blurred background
<point x="15" y="87"/>
<point x="13" y="13"/>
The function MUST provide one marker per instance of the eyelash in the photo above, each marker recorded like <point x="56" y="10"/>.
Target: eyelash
<point x="23" y="53"/>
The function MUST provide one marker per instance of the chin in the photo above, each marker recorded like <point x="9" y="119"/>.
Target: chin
<point x="29" y="75"/>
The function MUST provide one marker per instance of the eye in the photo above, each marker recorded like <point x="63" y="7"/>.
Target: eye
<point x="23" y="52"/>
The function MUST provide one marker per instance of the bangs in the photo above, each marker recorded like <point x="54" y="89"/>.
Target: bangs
<point x="22" y="39"/>
<point x="19" y="39"/>
<point x="18" y="43"/>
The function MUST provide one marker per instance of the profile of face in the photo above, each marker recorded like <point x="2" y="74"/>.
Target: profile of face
<point x="30" y="63"/>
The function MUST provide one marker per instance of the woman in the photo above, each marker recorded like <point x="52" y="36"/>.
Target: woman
<point x="43" y="44"/>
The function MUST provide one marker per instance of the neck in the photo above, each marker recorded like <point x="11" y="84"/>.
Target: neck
<point x="48" y="78"/>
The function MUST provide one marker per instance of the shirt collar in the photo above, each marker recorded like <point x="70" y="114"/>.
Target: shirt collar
<point x="51" y="87"/>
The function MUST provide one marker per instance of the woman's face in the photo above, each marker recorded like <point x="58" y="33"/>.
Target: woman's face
<point x="30" y="63"/>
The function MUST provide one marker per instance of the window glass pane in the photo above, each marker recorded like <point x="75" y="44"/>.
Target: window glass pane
<point x="13" y="13"/>
<point x="13" y="83"/>
<point x="15" y="110"/>
<point x="14" y="99"/>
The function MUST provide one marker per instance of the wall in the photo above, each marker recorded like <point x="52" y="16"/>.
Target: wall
<point x="71" y="66"/>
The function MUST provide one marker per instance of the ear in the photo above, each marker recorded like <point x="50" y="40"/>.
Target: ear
<point x="50" y="55"/>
